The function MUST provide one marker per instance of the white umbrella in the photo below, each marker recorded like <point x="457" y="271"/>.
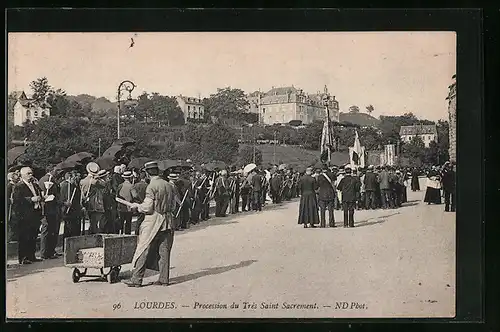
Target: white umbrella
<point x="248" y="168"/>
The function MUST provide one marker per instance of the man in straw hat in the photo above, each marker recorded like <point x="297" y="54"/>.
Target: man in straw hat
<point x="350" y="188"/>
<point x="92" y="199"/>
<point x="156" y="234"/>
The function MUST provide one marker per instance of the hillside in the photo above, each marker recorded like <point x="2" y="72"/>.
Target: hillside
<point x="296" y="155"/>
<point x="360" y="119"/>
<point x="96" y="104"/>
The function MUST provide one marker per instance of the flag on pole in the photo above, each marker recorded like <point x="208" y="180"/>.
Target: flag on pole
<point x="356" y="151"/>
<point x="327" y="142"/>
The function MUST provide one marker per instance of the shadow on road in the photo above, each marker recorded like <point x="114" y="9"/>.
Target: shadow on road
<point x="211" y="271"/>
<point x="15" y="271"/>
<point x="369" y="223"/>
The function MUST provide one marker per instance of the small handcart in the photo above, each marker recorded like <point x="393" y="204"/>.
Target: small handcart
<point x="99" y="251"/>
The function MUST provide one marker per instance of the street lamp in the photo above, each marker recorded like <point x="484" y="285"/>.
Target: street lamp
<point x="124" y="86"/>
<point x="326" y="103"/>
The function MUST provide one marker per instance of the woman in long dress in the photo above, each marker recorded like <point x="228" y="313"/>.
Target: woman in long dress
<point x="433" y="191"/>
<point x="415" y="186"/>
<point x="308" y="209"/>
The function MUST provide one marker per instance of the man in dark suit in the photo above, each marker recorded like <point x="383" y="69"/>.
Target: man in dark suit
<point x="184" y="186"/>
<point x="257" y="191"/>
<point x="371" y="184"/>
<point x="326" y="195"/>
<point x="275" y="186"/>
<point x="70" y="195"/>
<point x="27" y="201"/>
<point x="51" y="222"/>
<point x="350" y="187"/>
<point x="221" y="194"/>
<point x="138" y="196"/>
<point x="448" y="178"/>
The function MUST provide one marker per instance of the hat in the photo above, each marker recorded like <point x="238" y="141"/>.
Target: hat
<point x="102" y="173"/>
<point x="127" y="174"/>
<point x="151" y="165"/>
<point x="370" y="167"/>
<point x="173" y="176"/>
<point x="92" y="168"/>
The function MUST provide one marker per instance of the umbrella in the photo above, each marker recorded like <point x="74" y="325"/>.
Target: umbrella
<point x="105" y="162"/>
<point x="80" y="157"/>
<point x="15" y="153"/>
<point x="163" y="165"/>
<point x="248" y="168"/>
<point x="66" y="165"/>
<point x="138" y="162"/>
<point x="125" y="141"/>
<point x="114" y="152"/>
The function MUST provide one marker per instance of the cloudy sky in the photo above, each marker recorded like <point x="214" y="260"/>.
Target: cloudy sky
<point x="395" y="72"/>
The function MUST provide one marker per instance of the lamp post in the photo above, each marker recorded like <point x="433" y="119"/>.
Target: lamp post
<point x="124" y="86"/>
<point x="274" y="148"/>
<point x="326" y="103"/>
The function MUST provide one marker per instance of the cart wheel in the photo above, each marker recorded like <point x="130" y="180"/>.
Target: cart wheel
<point x="76" y="275"/>
<point x="113" y="275"/>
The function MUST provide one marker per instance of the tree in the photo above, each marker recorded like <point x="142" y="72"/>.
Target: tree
<point x="226" y="103"/>
<point x="219" y="143"/>
<point x="414" y="150"/>
<point x="370" y="109"/>
<point x="245" y="155"/>
<point x="354" y="109"/>
<point x="157" y="108"/>
<point x="41" y="89"/>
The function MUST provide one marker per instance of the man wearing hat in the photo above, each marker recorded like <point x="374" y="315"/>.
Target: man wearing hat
<point x="124" y="191"/>
<point x="350" y="188"/>
<point x="257" y="183"/>
<point x="275" y="186"/>
<point x="93" y="197"/>
<point x="326" y="195"/>
<point x="184" y="187"/>
<point x="371" y="183"/>
<point x="156" y="235"/>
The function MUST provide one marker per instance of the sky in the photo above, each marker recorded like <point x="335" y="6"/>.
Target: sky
<point x="396" y="72"/>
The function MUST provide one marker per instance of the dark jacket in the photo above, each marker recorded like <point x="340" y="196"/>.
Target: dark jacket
<point x="448" y="179"/>
<point x="350" y="187"/>
<point x="66" y="190"/>
<point x="326" y="189"/>
<point x="308" y="185"/>
<point x="257" y="182"/>
<point x="371" y="181"/>
<point x="139" y="191"/>
<point x="276" y="182"/>
<point x="384" y="180"/>
<point x="22" y="205"/>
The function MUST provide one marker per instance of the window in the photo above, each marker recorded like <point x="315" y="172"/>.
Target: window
<point x="263" y="110"/>
<point x="43" y="113"/>
<point x="430" y="137"/>
<point x="28" y="114"/>
<point x="36" y="113"/>
<point x="189" y="108"/>
<point x="409" y="138"/>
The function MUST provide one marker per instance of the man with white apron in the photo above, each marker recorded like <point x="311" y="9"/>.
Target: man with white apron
<point x="156" y="234"/>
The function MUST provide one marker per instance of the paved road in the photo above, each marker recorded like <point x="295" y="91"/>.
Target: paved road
<point x="395" y="263"/>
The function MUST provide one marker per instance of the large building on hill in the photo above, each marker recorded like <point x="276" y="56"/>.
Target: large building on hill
<point x="284" y="104"/>
<point x="28" y="109"/>
<point x="427" y="133"/>
<point x="191" y="107"/>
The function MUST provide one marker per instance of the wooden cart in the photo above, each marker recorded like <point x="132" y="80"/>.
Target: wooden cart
<point x="106" y="251"/>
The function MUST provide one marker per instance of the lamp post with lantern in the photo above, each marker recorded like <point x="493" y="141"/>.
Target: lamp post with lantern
<point x="124" y="86"/>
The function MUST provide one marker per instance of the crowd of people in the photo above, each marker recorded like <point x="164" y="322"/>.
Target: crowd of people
<point x="73" y="196"/>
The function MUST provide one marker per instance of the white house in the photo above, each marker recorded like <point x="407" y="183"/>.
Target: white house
<point x="28" y="109"/>
<point x="191" y="107"/>
<point x="427" y="133"/>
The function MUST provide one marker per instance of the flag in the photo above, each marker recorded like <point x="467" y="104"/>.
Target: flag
<point x="356" y="151"/>
<point x="327" y="142"/>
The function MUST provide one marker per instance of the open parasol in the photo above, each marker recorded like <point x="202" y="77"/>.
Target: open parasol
<point x="80" y="157"/>
<point x="14" y="153"/>
<point x="125" y="141"/>
<point x="163" y="165"/>
<point x="248" y="168"/>
<point x="66" y="165"/>
<point x="105" y="162"/>
<point x="139" y="162"/>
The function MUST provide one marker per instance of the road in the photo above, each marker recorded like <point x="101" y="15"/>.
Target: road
<point x="394" y="263"/>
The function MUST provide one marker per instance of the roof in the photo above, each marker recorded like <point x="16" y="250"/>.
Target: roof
<point x="255" y="94"/>
<point x="28" y="103"/>
<point x="191" y="100"/>
<point x="18" y="94"/>
<point x="281" y="90"/>
<point x="418" y="129"/>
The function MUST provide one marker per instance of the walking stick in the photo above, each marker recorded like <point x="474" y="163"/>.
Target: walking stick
<point x="210" y="190"/>
<point x="71" y="200"/>
<point x="182" y="203"/>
